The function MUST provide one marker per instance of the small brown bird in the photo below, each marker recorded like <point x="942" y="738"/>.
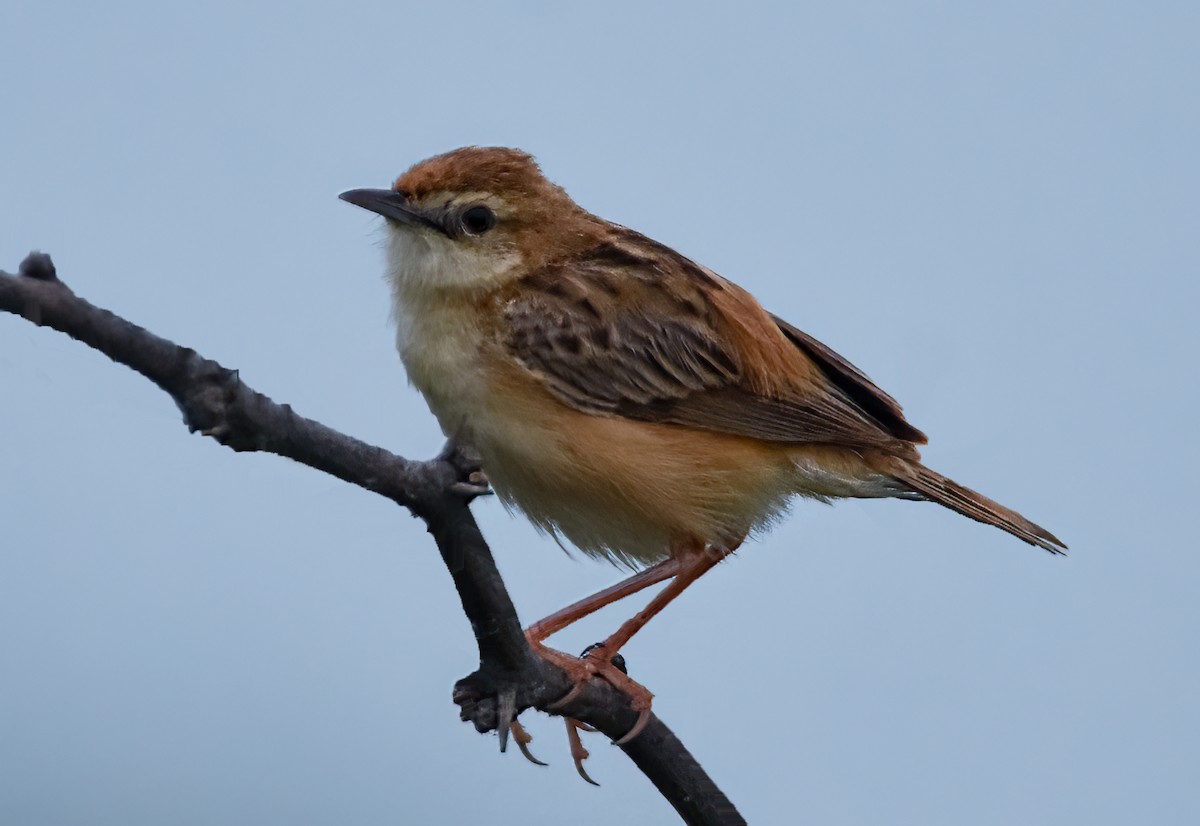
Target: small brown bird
<point x="619" y="394"/>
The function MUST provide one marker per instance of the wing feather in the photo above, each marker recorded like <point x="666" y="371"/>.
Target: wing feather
<point x="854" y="383"/>
<point x="663" y="346"/>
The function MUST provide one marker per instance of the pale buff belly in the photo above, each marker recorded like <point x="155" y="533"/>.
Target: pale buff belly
<point x="628" y="491"/>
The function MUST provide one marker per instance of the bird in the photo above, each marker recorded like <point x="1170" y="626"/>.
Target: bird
<point x="623" y="397"/>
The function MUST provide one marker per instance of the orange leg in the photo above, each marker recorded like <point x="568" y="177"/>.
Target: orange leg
<point x="559" y="620"/>
<point x="686" y="565"/>
<point x="691" y="568"/>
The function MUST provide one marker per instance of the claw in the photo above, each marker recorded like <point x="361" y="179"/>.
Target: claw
<point x="578" y="752"/>
<point x="642" y="720"/>
<point x="523" y="738"/>
<point x="506" y="715"/>
<point x="468" y="489"/>
<point x="566" y="698"/>
<point x="465" y="460"/>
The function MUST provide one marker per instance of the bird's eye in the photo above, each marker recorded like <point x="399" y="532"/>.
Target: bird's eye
<point x="477" y="220"/>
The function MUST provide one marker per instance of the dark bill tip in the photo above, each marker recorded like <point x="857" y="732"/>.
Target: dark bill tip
<point x="388" y="203"/>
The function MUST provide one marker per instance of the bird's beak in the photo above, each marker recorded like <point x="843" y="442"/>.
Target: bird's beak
<point x="388" y="203"/>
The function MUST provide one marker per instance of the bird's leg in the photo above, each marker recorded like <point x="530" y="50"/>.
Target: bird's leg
<point x="559" y="620"/>
<point x="686" y="565"/>
<point x="580" y="670"/>
<point x="692" y="566"/>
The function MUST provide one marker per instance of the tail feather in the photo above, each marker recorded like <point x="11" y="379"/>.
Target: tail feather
<point x="937" y="488"/>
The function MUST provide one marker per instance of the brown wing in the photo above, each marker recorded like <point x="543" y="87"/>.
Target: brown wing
<point x="855" y="384"/>
<point x="633" y="329"/>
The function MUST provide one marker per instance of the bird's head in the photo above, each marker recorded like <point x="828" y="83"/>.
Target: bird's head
<point x="474" y="217"/>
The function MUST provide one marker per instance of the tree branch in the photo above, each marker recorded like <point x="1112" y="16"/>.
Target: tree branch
<point x="215" y="402"/>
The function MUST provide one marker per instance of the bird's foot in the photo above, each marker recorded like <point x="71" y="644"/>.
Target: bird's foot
<point x="595" y="662"/>
<point x="490" y="700"/>
<point x="490" y="703"/>
<point x="465" y="460"/>
<point x="523" y="738"/>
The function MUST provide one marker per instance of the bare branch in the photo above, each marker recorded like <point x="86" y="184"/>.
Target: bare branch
<point x="215" y="402"/>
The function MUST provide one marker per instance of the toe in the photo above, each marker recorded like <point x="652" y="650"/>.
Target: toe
<point x="578" y="752"/>
<point x="523" y="738"/>
<point x="642" y="721"/>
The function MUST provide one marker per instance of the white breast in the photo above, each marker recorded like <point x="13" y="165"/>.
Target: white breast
<point x="438" y="334"/>
<point x="441" y="356"/>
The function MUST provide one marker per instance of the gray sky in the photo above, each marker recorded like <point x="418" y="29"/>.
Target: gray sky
<point x="991" y="211"/>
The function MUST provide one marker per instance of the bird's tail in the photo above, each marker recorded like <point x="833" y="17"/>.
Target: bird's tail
<point x="937" y="488"/>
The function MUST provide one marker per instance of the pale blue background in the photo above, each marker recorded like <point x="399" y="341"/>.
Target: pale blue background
<point x="993" y="211"/>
